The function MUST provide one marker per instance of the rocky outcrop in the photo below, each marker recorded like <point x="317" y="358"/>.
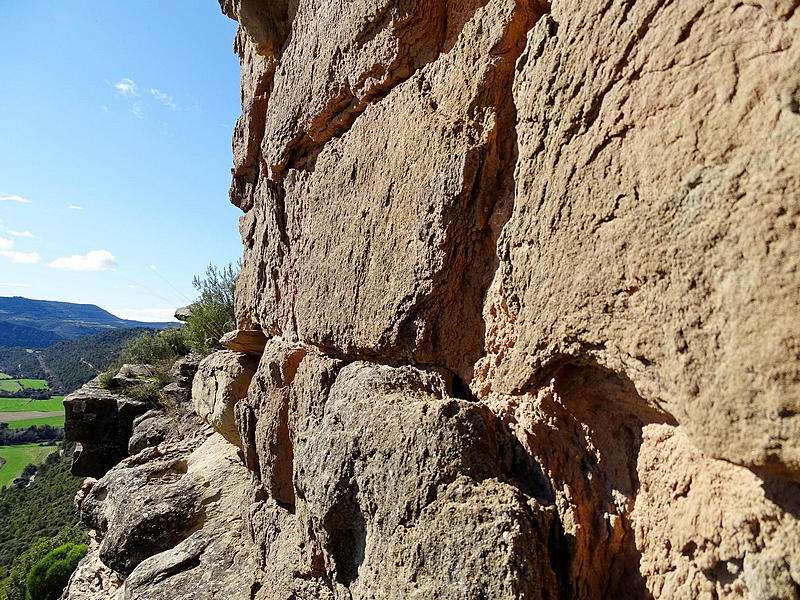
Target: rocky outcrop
<point x="517" y="315"/>
<point x="249" y="342"/>
<point x="101" y="422"/>
<point x="167" y="525"/>
<point x="381" y="480"/>
<point x="582" y="218"/>
<point x="221" y="382"/>
<point x="183" y="313"/>
<point x="166" y="521"/>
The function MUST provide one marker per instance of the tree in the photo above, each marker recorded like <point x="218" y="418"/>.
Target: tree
<point x="212" y="315"/>
<point x="48" y="577"/>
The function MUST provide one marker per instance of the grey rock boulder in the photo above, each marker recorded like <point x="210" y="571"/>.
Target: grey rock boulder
<point x="221" y="381"/>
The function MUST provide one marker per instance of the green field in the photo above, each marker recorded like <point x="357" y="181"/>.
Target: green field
<point x="10" y="385"/>
<point x="15" y="385"/>
<point x="18" y="404"/>
<point x="34" y="384"/>
<point x="5" y="376"/>
<point x="55" y="421"/>
<point x="18" y="457"/>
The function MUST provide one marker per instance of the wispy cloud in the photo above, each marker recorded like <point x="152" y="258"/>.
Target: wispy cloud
<point x="13" y="198"/>
<point x="73" y="207"/>
<point x="164" y="98"/>
<point x="127" y="87"/>
<point x="25" y="258"/>
<point x="15" y="285"/>
<point x="96" y="260"/>
<point x="6" y="249"/>
<point x="25" y="233"/>
<point x="136" y="109"/>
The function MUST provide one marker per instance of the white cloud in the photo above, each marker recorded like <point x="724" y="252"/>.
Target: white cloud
<point x="25" y="233"/>
<point x="24" y="258"/>
<point x="153" y="267"/>
<point x="136" y="109"/>
<point x="147" y="314"/>
<point x="15" y="285"/>
<point x="73" y="207"/>
<point x="127" y="87"/>
<point x="13" y="198"/>
<point x="96" y="260"/>
<point x="164" y="98"/>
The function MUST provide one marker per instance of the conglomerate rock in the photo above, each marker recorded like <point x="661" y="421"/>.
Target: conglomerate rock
<point x="582" y="215"/>
<point x="521" y="301"/>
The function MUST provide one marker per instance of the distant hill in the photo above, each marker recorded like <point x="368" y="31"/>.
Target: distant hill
<point x="69" y="364"/>
<point x="21" y="335"/>
<point x="41" y="323"/>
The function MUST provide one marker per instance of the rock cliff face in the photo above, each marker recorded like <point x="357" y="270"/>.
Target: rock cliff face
<point x="519" y="312"/>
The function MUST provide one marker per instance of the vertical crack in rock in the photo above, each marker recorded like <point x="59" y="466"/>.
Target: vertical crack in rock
<point x="564" y="349"/>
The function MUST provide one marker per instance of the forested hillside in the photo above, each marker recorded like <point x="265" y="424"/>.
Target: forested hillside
<point x="39" y="510"/>
<point x="69" y="364"/>
<point x="21" y="335"/>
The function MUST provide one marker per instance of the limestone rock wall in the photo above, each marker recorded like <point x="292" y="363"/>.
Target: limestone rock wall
<point x="519" y="314"/>
<point x="523" y="262"/>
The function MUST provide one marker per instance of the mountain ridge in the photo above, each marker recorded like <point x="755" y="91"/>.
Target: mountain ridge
<point x="40" y="323"/>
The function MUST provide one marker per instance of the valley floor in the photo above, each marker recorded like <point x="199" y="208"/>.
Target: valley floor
<point x="18" y="457"/>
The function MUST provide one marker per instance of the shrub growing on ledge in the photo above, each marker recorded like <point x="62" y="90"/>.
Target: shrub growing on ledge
<point x="154" y="348"/>
<point x="212" y="314"/>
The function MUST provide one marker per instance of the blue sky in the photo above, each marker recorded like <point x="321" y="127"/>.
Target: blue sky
<point x="115" y="127"/>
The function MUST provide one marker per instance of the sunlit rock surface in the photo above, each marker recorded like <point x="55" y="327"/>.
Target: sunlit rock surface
<point x="521" y="299"/>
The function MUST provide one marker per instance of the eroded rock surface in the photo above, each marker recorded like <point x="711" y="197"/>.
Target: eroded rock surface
<point x="168" y="525"/>
<point x="662" y="241"/>
<point x="221" y="381"/>
<point x="378" y="479"/>
<point x="101" y="421"/>
<point x="519" y="305"/>
<point x="584" y="217"/>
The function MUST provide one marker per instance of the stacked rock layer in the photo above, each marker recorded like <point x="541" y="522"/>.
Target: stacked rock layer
<point x="530" y="275"/>
<point x="519" y="312"/>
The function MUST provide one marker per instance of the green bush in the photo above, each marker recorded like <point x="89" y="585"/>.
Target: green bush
<point x="156" y="347"/>
<point x="48" y="577"/>
<point x="13" y="586"/>
<point x="211" y="317"/>
<point x="212" y="314"/>
<point x="147" y="392"/>
<point x="105" y="380"/>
